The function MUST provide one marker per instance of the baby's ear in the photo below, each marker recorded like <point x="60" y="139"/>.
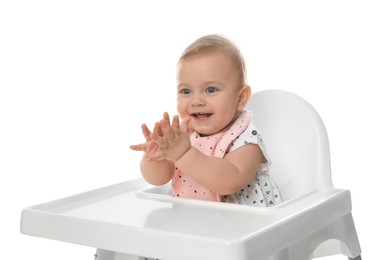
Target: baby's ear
<point x="245" y="95"/>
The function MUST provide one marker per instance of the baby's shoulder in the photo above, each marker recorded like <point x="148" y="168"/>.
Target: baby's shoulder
<point x="250" y="135"/>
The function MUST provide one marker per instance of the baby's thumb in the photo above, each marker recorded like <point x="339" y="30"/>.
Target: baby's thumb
<point x="184" y="124"/>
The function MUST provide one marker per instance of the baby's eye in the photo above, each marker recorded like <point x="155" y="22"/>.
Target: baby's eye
<point x="211" y="90"/>
<point x="185" y="91"/>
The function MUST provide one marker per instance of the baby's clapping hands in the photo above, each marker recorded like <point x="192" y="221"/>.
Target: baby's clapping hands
<point x="168" y="141"/>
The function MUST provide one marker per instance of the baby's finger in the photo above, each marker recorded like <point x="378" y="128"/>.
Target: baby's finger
<point x="166" y="118"/>
<point x="158" y="140"/>
<point x="157" y="129"/>
<point x="176" y="125"/>
<point x="145" y="132"/>
<point x="184" y="124"/>
<point x="167" y="130"/>
<point x="138" y="147"/>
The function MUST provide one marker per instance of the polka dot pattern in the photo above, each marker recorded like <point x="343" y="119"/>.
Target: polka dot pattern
<point x="260" y="192"/>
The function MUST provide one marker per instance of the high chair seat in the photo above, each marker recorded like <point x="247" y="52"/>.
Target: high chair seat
<point x="134" y="218"/>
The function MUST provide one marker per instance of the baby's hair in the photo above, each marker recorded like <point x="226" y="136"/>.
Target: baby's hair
<point x="214" y="42"/>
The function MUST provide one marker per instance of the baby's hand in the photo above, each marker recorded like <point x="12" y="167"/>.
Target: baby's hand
<point x="149" y="147"/>
<point x="174" y="141"/>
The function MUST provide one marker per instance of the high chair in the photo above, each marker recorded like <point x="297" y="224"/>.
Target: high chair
<point x="135" y="219"/>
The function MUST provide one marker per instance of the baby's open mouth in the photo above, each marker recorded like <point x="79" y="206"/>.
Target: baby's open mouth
<point x="201" y="115"/>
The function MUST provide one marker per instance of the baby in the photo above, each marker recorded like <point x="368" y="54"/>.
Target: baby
<point x="215" y="153"/>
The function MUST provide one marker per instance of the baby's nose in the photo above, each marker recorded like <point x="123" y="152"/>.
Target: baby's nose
<point x="197" y="100"/>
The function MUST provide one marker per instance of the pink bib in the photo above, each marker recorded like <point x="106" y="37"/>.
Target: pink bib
<point x="214" y="145"/>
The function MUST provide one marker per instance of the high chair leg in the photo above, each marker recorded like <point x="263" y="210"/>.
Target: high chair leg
<point x="356" y="258"/>
<point x="104" y="255"/>
<point x="110" y="255"/>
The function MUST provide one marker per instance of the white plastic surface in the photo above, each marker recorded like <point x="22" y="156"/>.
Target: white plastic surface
<point x="296" y="141"/>
<point x="124" y="218"/>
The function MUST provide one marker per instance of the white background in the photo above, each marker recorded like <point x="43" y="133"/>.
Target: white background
<point x="79" y="77"/>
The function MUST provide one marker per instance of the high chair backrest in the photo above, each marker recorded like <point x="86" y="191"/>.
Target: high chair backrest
<point x="296" y="141"/>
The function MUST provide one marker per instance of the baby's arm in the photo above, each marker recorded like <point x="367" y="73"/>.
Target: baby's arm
<point x="221" y="175"/>
<point x="156" y="172"/>
<point x="154" y="168"/>
<point x="226" y="175"/>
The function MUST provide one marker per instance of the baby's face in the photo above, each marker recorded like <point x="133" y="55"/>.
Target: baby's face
<point x="208" y="90"/>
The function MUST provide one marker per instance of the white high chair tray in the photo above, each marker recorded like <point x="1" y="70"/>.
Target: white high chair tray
<point x="136" y="218"/>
